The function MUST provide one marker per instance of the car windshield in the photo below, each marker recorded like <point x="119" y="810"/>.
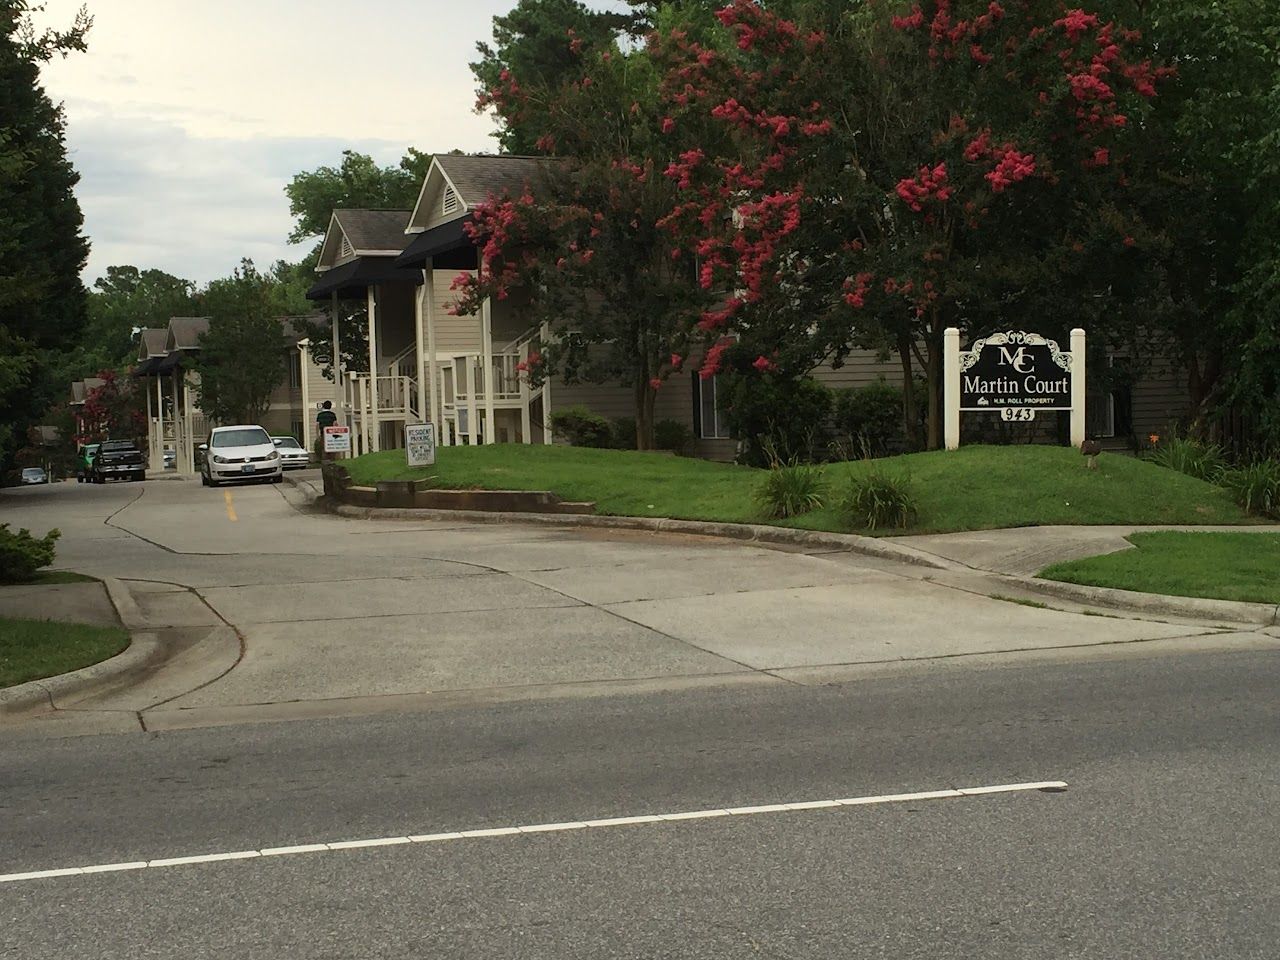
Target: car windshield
<point x="248" y="437"/>
<point x="116" y="445"/>
<point x="287" y="442"/>
<point x="32" y="472"/>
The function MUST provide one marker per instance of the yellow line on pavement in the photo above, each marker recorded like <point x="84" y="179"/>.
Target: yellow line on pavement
<point x="231" y="507"/>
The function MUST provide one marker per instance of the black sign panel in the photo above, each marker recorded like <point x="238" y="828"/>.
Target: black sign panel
<point x="1015" y="370"/>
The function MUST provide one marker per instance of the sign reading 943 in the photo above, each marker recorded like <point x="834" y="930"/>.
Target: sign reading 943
<point x="1015" y="369"/>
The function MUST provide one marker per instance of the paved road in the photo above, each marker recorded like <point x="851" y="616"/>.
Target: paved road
<point x="1163" y="846"/>
<point x="468" y="678"/>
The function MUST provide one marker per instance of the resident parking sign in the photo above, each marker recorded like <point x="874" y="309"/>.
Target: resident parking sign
<point x="420" y="444"/>
<point x="337" y="439"/>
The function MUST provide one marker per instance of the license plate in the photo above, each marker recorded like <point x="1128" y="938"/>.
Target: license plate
<point x="247" y="468"/>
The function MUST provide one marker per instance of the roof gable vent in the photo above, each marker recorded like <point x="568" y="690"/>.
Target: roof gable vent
<point x="346" y="249"/>
<point x="450" y="202"/>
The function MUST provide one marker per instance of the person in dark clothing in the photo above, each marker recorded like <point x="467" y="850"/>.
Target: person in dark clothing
<point x="324" y="418"/>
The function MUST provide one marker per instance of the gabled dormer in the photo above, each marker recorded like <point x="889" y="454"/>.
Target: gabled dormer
<point x="362" y="233"/>
<point x="455" y="183"/>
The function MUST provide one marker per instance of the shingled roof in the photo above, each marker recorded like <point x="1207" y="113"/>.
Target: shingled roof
<point x="374" y="231"/>
<point x="476" y="177"/>
<point x="185" y="332"/>
<point x="151" y="342"/>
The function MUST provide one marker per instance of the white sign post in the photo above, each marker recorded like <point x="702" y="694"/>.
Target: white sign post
<point x="1015" y="373"/>
<point x="420" y="444"/>
<point x="337" y="439"/>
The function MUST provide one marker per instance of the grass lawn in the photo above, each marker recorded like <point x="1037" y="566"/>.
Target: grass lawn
<point x="975" y="488"/>
<point x="61" y="576"/>
<point x="32" y="649"/>
<point x="1222" y="566"/>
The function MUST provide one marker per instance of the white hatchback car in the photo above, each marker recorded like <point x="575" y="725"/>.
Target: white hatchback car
<point x="243" y="452"/>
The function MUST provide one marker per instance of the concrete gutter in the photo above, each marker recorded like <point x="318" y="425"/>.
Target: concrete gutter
<point x="1195" y="608"/>
<point x="143" y="651"/>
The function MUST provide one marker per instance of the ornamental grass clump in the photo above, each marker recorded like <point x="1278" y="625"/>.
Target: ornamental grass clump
<point x="876" y="499"/>
<point x="790" y="489"/>
<point x="1204" y="461"/>
<point x="1256" y="487"/>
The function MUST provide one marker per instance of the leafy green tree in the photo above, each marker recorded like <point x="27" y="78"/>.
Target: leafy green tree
<point x="358" y="182"/>
<point x="124" y="301"/>
<point x="1211" y="182"/>
<point x="42" y="301"/>
<point x="542" y="43"/>
<point x="242" y="356"/>
<point x="586" y="242"/>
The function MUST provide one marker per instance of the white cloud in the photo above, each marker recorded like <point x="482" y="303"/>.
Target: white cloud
<point x="187" y="119"/>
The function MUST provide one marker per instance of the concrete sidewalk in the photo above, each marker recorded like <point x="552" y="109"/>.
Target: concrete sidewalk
<point x="1025" y="551"/>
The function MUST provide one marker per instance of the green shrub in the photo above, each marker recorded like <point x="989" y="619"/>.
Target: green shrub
<point x="1204" y="461"/>
<point x="876" y="499"/>
<point x="21" y="554"/>
<point x="789" y="490"/>
<point x="791" y="415"/>
<point x="672" y="435"/>
<point x="581" y="427"/>
<point x="622" y="433"/>
<point x="871" y="418"/>
<point x="1256" y="487"/>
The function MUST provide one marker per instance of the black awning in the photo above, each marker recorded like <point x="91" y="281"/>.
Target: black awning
<point x="168" y="364"/>
<point x="351" y="281"/>
<point x="444" y="239"/>
<point x="147" y="367"/>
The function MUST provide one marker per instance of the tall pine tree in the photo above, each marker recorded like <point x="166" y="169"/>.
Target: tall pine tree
<point x="42" y="251"/>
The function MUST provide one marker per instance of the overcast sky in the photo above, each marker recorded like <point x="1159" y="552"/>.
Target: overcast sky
<point x="186" y="118"/>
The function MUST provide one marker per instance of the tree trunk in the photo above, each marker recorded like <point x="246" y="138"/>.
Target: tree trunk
<point x="910" y="404"/>
<point x="645" y="396"/>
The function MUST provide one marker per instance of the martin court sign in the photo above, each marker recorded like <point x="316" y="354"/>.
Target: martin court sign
<point x="1016" y="374"/>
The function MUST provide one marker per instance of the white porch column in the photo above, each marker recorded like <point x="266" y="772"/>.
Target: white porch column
<point x="375" y="440"/>
<point x="160" y="418"/>
<point x="526" y="427"/>
<point x="188" y="424"/>
<point x="433" y="364"/>
<point x="547" y="438"/>
<point x="951" y="387"/>
<point x="151" y="432"/>
<point x="486" y="370"/>
<point x="1079" y="387"/>
<point x="365" y="430"/>
<point x="420" y="349"/>
<point x="304" y="365"/>
<point x="337" y="346"/>
<point x="473" y="411"/>
<point x="178" y="439"/>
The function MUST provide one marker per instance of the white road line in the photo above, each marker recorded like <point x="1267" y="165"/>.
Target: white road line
<point x="732" y="812"/>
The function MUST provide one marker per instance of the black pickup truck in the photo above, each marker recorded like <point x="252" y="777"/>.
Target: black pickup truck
<point x="117" y="460"/>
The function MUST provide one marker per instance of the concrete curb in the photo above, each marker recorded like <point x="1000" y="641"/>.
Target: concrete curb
<point x="747" y="532"/>
<point x="1195" y="608"/>
<point x="143" y="649"/>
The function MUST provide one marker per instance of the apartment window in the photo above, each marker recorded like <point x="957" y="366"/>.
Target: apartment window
<point x="708" y="416"/>
<point x="295" y="370"/>
<point x="450" y="202"/>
